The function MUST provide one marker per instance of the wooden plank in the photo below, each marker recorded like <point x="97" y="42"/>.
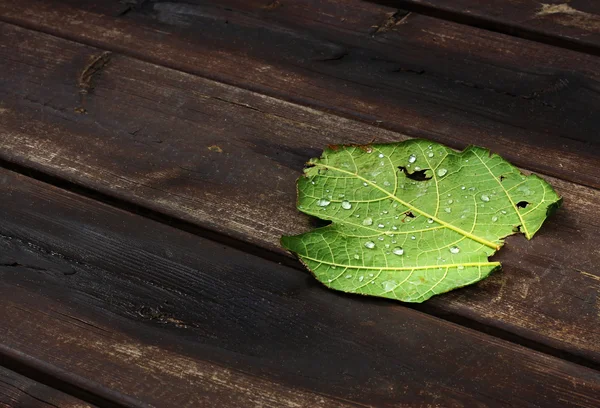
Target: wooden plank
<point x="536" y="105"/>
<point x="226" y="160"/>
<point x="17" y="391"/>
<point x="570" y="24"/>
<point x="169" y="318"/>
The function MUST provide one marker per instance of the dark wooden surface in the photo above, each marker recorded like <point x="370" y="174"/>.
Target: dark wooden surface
<point x="420" y="76"/>
<point x="197" y="307"/>
<point x="176" y="124"/>
<point x="17" y="391"/>
<point x="566" y="23"/>
<point x="142" y="267"/>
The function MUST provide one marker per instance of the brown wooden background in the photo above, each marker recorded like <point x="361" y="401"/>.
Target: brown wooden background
<point x="149" y="152"/>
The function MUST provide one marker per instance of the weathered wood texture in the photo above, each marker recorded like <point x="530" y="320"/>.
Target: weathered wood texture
<point x="172" y="319"/>
<point x="566" y="23"/>
<point x="226" y="160"/>
<point x="418" y="75"/>
<point x="17" y="391"/>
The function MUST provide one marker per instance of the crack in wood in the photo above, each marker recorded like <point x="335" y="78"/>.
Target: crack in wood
<point x="272" y="5"/>
<point x="92" y="70"/>
<point x="391" y="21"/>
<point x="19" y="265"/>
<point x="534" y="95"/>
<point x="337" y="57"/>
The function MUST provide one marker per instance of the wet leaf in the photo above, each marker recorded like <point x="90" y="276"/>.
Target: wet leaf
<point x="414" y="219"/>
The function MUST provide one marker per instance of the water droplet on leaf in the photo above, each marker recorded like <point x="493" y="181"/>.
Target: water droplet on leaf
<point x="346" y="205"/>
<point x="389" y="285"/>
<point x="323" y="202"/>
<point x="370" y="244"/>
<point x="442" y="172"/>
<point x="485" y="198"/>
<point x="454" y="249"/>
<point x="398" y="251"/>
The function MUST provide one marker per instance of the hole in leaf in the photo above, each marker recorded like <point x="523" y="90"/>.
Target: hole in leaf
<point x="319" y="223"/>
<point x="419" y="175"/>
<point x="522" y="204"/>
<point x="517" y="228"/>
<point x="408" y="214"/>
<point x="502" y="178"/>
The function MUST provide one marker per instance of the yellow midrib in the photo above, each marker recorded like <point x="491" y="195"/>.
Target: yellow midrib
<point x="415" y="209"/>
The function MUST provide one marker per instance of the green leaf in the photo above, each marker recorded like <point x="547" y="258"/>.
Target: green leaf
<point x="413" y="219"/>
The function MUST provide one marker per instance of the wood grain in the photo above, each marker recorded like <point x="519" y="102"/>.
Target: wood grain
<point x="570" y="24"/>
<point x="171" y="319"/>
<point x="226" y="160"/>
<point x="17" y="391"/>
<point x="536" y="105"/>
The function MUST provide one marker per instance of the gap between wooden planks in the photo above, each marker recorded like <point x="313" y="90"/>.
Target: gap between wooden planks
<point x="164" y="318"/>
<point x="536" y="105"/>
<point x="17" y="391"/>
<point x="226" y="159"/>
